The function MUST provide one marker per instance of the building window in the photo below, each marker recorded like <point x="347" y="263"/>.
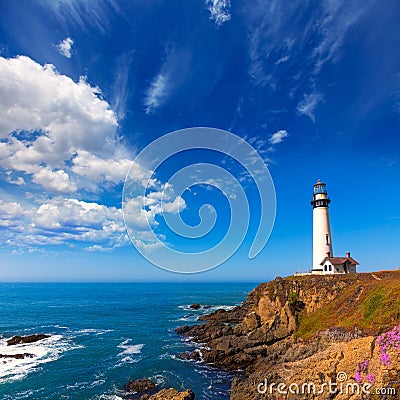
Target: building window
<point x="327" y="239"/>
<point x="330" y="268"/>
<point x="326" y="268"/>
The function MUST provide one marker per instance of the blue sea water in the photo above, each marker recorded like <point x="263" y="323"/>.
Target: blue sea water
<point x="105" y="334"/>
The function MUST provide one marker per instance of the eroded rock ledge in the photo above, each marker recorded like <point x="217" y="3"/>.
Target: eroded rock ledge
<point x="170" y="394"/>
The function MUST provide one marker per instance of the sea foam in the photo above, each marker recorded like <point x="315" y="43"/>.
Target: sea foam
<point x="43" y="351"/>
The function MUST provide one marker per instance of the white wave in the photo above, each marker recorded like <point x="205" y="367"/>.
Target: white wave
<point x="43" y="351"/>
<point x="206" y="308"/>
<point x="135" y="349"/>
<point x="127" y="360"/>
<point x="130" y="349"/>
<point x="129" y="353"/>
<point x="158" y="379"/>
<point x="167" y="356"/>
<point x="94" y="331"/>
<point x="221" y="307"/>
<point x="77" y="385"/>
<point x="97" y="382"/>
<point x="188" y="318"/>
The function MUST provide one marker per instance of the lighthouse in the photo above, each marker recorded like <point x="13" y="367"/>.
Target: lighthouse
<point x="323" y="261"/>
<point x="322" y="240"/>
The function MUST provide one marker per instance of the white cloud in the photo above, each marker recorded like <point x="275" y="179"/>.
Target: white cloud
<point x="59" y="120"/>
<point x="10" y="213"/>
<point x="174" y="207"/>
<point x="62" y="221"/>
<point x="156" y="93"/>
<point x="278" y="136"/>
<point x="61" y="135"/>
<point x="308" y="104"/>
<point x="140" y="212"/>
<point x="71" y="114"/>
<point x="65" y="46"/>
<point x="54" y="181"/>
<point x="19" y="181"/>
<point x="219" y="10"/>
<point x="97" y="169"/>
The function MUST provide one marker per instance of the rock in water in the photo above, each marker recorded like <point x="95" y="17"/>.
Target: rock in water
<point x="170" y="394"/>
<point x="195" y="306"/>
<point x="26" y="339"/>
<point x="193" y="355"/>
<point x="17" y="356"/>
<point x="139" y="385"/>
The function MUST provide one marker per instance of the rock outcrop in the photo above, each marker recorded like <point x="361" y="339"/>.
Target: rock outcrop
<point x="26" y="339"/>
<point x="305" y="329"/>
<point x="19" y="356"/>
<point x="139" y="385"/>
<point x="170" y="394"/>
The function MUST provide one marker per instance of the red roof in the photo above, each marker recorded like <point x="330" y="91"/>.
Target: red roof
<point x="340" y="260"/>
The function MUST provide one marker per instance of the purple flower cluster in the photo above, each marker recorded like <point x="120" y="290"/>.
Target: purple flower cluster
<point x="363" y="367"/>
<point x="387" y="341"/>
<point x="370" y="378"/>
<point x="358" y="377"/>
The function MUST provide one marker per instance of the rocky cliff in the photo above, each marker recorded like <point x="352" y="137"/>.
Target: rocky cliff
<point x="309" y="330"/>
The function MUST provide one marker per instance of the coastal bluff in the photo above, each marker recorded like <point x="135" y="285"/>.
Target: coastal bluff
<point x="340" y="329"/>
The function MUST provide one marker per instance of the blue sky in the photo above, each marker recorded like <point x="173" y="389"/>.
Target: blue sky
<point x="86" y="85"/>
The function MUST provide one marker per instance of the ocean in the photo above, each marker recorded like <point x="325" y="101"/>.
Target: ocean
<point x="105" y="334"/>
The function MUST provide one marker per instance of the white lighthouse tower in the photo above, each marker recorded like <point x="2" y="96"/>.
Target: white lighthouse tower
<point x="323" y="261"/>
<point x="322" y="240"/>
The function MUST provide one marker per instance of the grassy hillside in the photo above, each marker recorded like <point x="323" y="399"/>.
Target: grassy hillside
<point x="369" y="301"/>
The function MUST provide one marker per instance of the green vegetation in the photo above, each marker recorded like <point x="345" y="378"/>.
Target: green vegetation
<point x="373" y="303"/>
<point x="293" y="298"/>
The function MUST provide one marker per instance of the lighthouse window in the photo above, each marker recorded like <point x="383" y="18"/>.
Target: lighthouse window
<point x="327" y="239"/>
<point x="320" y="189"/>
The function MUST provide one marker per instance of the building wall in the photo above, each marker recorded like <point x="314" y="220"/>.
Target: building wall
<point x="328" y="268"/>
<point x="336" y="269"/>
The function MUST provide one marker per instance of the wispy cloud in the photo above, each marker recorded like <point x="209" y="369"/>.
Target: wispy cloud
<point x="337" y="18"/>
<point x="65" y="47"/>
<point x="84" y="14"/>
<point x="121" y="88"/>
<point x="278" y="137"/>
<point x="173" y="73"/>
<point x="308" y="104"/>
<point x="156" y="93"/>
<point x="291" y="55"/>
<point x="282" y="60"/>
<point x="219" y="10"/>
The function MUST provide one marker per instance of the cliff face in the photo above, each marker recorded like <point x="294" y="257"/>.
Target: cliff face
<point x="306" y="329"/>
